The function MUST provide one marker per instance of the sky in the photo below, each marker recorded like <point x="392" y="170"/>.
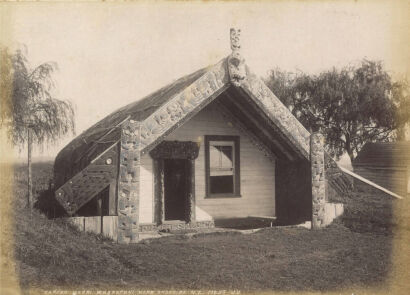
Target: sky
<point x="110" y="54"/>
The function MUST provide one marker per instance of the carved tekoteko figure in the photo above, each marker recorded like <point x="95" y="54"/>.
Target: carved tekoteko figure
<point x="236" y="63"/>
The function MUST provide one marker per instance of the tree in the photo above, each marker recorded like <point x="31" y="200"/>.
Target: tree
<point x="29" y="110"/>
<point x="350" y="106"/>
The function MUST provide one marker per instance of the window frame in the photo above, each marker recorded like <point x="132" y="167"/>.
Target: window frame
<point x="236" y="166"/>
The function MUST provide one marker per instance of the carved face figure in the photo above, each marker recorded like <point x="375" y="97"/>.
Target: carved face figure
<point x="174" y="111"/>
<point x="237" y="69"/>
<point x="162" y="118"/>
<point x="235" y="39"/>
<point x="145" y="132"/>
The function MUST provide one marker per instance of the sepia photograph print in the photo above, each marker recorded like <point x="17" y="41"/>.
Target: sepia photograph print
<point x="194" y="148"/>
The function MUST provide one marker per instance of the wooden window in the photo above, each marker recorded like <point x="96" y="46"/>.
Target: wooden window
<point x="222" y="166"/>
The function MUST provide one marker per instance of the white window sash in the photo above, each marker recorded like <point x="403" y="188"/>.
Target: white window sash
<point x="221" y="172"/>
<point x="218" y="170"/>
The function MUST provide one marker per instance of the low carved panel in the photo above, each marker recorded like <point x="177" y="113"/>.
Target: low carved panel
<point x="150" y="227"/>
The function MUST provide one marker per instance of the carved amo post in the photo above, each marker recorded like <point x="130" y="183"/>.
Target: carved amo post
<point x="317" y="160"/>
<point x="129" y="183"/>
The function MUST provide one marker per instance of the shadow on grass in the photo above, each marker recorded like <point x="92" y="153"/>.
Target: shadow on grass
<point x="369" y="211"/>
<point x="355" y="251"/>
<point x="244" y="223"/>
<point x="48" y="205"/>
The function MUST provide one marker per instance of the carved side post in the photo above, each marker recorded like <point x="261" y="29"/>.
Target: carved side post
<point x="317" y="160"/>
<point x="129" y="183"/>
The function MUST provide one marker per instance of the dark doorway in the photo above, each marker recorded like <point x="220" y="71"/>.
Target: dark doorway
<point x="175" y="188"/>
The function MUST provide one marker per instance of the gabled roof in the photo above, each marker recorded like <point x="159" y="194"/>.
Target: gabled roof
<point x="76" y="155"/>
<point x="384" y="154"/>
<point x="168" y="108"/>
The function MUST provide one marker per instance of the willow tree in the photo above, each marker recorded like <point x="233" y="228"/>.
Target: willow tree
<point x="351" y="106"/>
<point x="29" y="110"/>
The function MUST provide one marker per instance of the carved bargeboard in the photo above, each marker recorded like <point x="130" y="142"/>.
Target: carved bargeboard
<point x="80" y="189"/>
<point x="278" y="113"/>
<point x="184" y="105"/>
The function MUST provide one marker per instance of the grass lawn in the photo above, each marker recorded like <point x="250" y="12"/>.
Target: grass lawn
<point x="354" y="251"/>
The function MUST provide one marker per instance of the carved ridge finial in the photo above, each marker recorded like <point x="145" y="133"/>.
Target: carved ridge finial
<point x="236" y="63"/>
<point x="235" y="39"/>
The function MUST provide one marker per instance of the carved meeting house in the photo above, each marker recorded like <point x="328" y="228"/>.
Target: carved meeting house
<point x="214" y="145"/>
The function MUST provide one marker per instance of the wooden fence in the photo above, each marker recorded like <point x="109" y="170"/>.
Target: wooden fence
<point x="106" y="225"/>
